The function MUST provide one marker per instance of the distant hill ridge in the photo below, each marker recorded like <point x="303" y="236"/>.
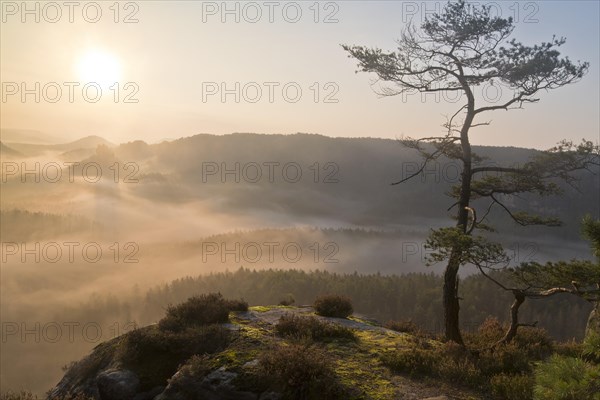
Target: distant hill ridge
<point x="349" y="176"/>
<point x="7" y="151"/>
<point x="81" y="147"/>
<point x="315" y="178"/>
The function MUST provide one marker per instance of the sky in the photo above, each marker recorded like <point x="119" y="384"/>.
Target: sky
<point x="188" y="67"/>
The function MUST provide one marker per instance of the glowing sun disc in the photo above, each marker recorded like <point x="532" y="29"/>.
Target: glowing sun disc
<point x="100" y="67"/>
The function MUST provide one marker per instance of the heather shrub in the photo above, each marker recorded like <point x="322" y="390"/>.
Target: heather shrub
<point x="22" y="395"/>
<point x="571" y="348"/>
<point x="489" y="332"/>
<point x="288" y="300"/>
<point x="155" y="354"/>
<point x="145" y="343"/>
<point x="413" y="361"/>
<point x="514" y="358"/>
<point x="291" y="325"/>
<point x="301" y="372"/>
<point x="504" y="359"/>
<point x="237" y="305"/>
<point x="205" y="309"/>
<point x="502" y="369"/>
<point x="460" y="369"/>
<point x="27" y="395"/>
<point x="333" y="306"/>
<point x="404" y="326"/>
<point x="197" y="366"/>
<point x="535" y="342"/>
<point x="512" y="387"/>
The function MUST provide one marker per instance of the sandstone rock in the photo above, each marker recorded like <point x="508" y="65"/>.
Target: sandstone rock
<point x="215" y="386"/>
<point x="149" y="395"/>
<point x="270" y="396"/>
<point x="117" y="384"/>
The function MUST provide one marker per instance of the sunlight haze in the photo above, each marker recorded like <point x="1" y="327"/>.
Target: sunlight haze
<point x="172" y="54"/>
<point x="206" y="200"/>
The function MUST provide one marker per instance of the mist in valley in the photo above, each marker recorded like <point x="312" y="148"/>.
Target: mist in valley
<point x="89" y="227"/>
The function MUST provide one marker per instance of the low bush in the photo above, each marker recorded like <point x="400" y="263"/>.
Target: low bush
<point x="237" y="305"/>
<point x="453" y="365"/>
<point x="197" y="366"/>
<point x="590" y="348"/>
<point x="22" y="395"/>
<point x="567" y="378"/>
<point x="145" y="343"/>
<point x="310" y="327"/>
<point x="301" y="372"/>
<point x="489" y="332"/>
<point x="288" y="300"/>
<point x="404" y="326"/>
<point x="461" y="370"/>
<point x="413" y="361"/>
<point x="515" y="358"/>
<point x="504" y="359"/>
<point x="205" y="309"/>
<point x="512" y="387"/>
<point x="155" y="354"/>
<point x="505" y="369"/>
<point x="535" y="342"/>
<point x="333" y="306"/>
<point x="568" y="349"/>
<point x="27" y="395"/>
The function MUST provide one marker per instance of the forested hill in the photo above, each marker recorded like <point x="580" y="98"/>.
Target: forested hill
<point x="335" y="181"/>
<point x="413" y="296"/>
<point x="309" y="180"/>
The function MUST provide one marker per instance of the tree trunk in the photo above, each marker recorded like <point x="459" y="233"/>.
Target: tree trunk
<point x="450" y="296"/>
<point x="514" y="318"/>
<point x="451" y="303"/>
<point x="593" y="323"/>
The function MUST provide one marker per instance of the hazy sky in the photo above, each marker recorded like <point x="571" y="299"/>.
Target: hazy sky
<point x="176" y="57"/>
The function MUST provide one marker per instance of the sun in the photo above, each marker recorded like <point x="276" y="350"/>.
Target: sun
<point x="100" y="67"/>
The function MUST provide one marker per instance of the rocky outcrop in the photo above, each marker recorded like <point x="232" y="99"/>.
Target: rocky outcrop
<point x="230" y="372"/>
<point x="80" y="380"/>
<point x="117" y="384"/>
<point x="218" y="385"/>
